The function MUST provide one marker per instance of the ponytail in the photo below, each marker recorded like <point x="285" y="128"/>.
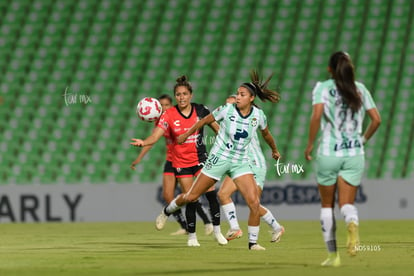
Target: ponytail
<point x="343" y="73"/>
<point x="257" y="88"/>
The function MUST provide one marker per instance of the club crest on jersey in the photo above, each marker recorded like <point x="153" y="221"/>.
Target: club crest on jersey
<point x="254" y="122"/>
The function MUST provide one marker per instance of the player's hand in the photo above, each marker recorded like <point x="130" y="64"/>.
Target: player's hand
<point x="133" y="165"/>
<point x="308" y="152"/>
<point x="276" y="155"/>
<point x="137" y="142"/>
<point x="181" y="139"/>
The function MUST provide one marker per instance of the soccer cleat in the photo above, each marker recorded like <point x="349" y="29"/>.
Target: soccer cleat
<point x="179" y="232"/>
<point x="332" y="260"/>
<point x="161" y="220"/>
<point x="234" y="234"/>
<point x="193" y="243"/>
<point x="208" y="229"/>
<point x="276" y="235"/>
<point x="353" y="238"/>
<point x="256" y="247"/>
<point x="220" y="238"/>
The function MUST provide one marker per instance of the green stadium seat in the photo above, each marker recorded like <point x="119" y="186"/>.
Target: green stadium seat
<point x="121" y="51"/>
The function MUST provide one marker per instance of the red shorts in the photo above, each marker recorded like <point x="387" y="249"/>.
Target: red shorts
<point x="168" y="168"/>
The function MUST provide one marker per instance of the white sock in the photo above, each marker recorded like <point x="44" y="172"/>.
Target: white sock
<point x="328" y="228"/>
<point x="192" y="236"/>
<point x="216" y="229"/>
<point x="172" y="207"/>
<point x="231" y="216"/>
<point x="350" y="213"/>
<point x="253" y="232"/>
<point x="270" y="220"/>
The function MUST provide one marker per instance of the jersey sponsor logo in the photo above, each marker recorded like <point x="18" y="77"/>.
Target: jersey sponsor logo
<point x="240" y="133"/>
<point x="240" y="121"/>
<point x="177" y="123"/>
<point x="347" y="145"/>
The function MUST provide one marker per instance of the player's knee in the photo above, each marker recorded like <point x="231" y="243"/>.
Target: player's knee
<point x="254" y="205"/>
<point x="222" y="196"/>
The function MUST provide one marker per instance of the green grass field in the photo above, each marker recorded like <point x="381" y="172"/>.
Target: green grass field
<point x="136" y="248"/>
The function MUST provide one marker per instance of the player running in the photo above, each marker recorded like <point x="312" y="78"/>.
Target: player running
<point x="229" y="154"/>
<point x="339" y="106"/>
<point x="187" y="158"/>
<point x="169" y="180"/>
<point x="227" y="188"/>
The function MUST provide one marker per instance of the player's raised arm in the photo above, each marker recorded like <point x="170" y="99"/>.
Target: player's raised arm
<point x="205" y="121"/>
<point x="150" y="140"/>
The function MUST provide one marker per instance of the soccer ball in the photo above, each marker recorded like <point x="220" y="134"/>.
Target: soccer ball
<point x="149" y="109"/>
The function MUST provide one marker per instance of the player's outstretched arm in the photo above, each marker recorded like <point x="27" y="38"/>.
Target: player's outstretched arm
<point x="313" y="128"/>
<point x="150" y="140"/>
<point x="141" y="155"/>
<point x="205" y="121"/>
<point x="267" y="136"/>
<point x="215" y="127"/>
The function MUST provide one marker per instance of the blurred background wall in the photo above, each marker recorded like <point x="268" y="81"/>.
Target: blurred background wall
<point x="72" y="73"/>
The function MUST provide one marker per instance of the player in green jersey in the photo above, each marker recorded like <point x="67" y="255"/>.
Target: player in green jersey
<point x="227" y="188"/>
<point x="229" y="154"/>
<point x="339" y="106"/>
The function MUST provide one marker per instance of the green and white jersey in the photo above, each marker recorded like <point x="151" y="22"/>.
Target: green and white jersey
<point x="341" y="129"/>
<point x="255" y="153"/>
<point x="236" y="132"/>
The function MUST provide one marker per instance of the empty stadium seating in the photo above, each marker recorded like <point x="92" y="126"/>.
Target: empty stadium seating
<point x="73" y="71"/>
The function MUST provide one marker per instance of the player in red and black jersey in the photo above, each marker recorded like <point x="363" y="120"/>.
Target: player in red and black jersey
<point x="169" y="180"/>
<point x="188" y="158"/>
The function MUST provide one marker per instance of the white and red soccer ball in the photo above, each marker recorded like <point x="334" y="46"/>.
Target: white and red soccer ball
<point x="149" y="109"/>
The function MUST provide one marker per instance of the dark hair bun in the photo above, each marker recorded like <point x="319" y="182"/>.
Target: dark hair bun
<point x="182" y="79"/>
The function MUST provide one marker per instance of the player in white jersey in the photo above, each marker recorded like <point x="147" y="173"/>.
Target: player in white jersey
<point x="229" y="154"/>
<point x="258" y="165"/>
<point x="339" y="106"/>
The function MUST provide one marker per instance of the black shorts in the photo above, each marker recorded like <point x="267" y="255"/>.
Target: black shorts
<point x="168" y="168"/>
<point x="188" y="172"/>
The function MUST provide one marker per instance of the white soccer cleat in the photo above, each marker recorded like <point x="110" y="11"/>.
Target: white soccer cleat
<point x="161" y="220"/>
<point x="276" y="235"/>
<point x="220" y="238"/>
<point x="179" y="232"/>
<point x="234" y="234"/>
<point x="257" y="247"/>
<point x="208" y="229"/>
<point x="193" y="243"/>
